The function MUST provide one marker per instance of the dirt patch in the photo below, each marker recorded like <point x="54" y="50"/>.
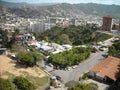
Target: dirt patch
<point x="10" y="66"/>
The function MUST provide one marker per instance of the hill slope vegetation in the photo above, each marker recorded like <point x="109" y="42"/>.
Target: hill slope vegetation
<point x="75" y="35"/>
<point x="63" y="9"/>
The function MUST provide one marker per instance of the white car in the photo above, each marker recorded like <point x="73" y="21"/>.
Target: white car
<point x="75" y="66"/>
<point x="68" y="68"/>
<point x="50" y="64"/>
<point x="103" y="48"/>
<point x="59" y="85"/>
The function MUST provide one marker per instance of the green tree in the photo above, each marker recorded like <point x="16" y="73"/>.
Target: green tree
<point x="75" y="35"/>
<point x="64" y="38"/>
<point x="37" y="36"/>
<point x="17" y="31"/>
<point x="4" y="38"/>
<point x="30" y="58"/>
<point x="114" y="50"/>
<point x="26" y="57"/>
<point x="90" y="86"/>
<point x="23" y="84"/>
<point x="71" y="83"/>
<point x="71" y="57"/>
<point x="12" y="40"/>
<point x="38" y="57"/>
<point x="6" y="84"/>
<point x="14" y="48"/>
<point x="46" y="39"/>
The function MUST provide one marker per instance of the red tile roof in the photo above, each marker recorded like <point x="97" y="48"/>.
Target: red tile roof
<point x="108" y="67"/>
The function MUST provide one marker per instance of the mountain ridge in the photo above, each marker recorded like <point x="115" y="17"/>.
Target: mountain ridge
<point x="16" y="5"/>
<point x="62" y="9"/>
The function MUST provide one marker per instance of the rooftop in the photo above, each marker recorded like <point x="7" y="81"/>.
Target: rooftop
<point x="109" y="67"/>
<point x="108" y="17"/>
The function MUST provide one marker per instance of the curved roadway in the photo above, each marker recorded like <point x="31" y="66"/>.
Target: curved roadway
<point x="74" y="74"/>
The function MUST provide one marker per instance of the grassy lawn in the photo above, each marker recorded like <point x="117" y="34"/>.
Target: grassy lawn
<point x="38" y="81"/>
<point x="39" y="70"/>
<point x="9" y="75"/>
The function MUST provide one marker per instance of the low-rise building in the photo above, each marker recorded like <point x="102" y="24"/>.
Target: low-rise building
<point x="107" y="70"/>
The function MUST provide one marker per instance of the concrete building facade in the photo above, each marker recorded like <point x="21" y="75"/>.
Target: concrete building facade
<point x="107" y="23"/>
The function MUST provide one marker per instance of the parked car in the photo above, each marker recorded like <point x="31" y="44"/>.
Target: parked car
<point x="68" y="68"/>
<point x="58" y="78"/>
<point x="54" y="67"/>
<point x="53" y="77"/>
<point x="50" y="64"/>
<point x="103" y="48"/>
<point x="93" y="51"/>
<point x="75" y="66"/>
<point x="44" y="67"/>
<point x="59" y="85"/>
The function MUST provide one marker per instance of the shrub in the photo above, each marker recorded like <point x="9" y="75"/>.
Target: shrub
<point x="23" y="84"/>
<point x="71" y="83"/>
<point x="6" y="85"/>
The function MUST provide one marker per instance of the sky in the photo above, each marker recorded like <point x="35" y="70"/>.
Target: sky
<point x="117" y="2"/>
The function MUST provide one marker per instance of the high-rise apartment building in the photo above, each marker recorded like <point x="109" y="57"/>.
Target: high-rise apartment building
<point x="107" y="23"/>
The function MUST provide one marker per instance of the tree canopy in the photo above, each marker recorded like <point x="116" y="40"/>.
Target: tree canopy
<point x="29" y="58"/>
<point x="114" y="50"/>
<point x="4" y="38"/>
<point x="71" y="57"/>
<point x="23" y="84"/>
<point x="64" y="38"/>
<point x="90" y="86"/>
<point x="75" y="35"/>
<point x="6" y="84"/>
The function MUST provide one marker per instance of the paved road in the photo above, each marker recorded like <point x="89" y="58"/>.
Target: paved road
<point x="74" y="74"/>
<point x="115" y="33"/>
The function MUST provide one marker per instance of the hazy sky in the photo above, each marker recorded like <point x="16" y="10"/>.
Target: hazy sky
<point x="68" y="1"/>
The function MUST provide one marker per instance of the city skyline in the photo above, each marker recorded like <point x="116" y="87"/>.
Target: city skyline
<point x="109" y="2"/>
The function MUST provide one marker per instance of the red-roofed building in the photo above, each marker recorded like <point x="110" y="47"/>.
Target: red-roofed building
<point x="107" y="69"/>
